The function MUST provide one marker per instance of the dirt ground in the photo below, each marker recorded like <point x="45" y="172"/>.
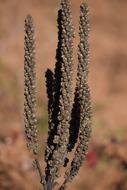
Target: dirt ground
<point x="106" y="163"/>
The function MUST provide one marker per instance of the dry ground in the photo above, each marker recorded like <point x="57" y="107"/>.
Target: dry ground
<point x="106" y="166"/>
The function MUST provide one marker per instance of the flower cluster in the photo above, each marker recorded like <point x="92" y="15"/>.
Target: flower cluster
<point x="69" y="121"/>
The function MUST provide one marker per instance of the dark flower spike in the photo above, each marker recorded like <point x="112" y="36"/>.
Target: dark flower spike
<point x="64" y="109"/>
<point x="84" y="98"/>
<point x="75" y="122"/>
<point x="65" y="86"/>
<point x="50" y="93"/>
<point x="55" y="104"/>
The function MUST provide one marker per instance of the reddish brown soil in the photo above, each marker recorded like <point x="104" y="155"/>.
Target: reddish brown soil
<point x="106" y="167"/>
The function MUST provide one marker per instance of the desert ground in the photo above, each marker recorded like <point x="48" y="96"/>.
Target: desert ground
<point x="106" y="163"/>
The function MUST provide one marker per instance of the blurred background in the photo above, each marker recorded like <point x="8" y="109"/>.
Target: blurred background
<point x="106" y="165"/>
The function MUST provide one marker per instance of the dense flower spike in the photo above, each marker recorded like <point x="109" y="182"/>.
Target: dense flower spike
<point x="84" y="97"/>
<point x="64" y="113"/>
<point x="81" y="76"/>
<point x="30" y="87"/>
<point x="65" y="88"/>
<point x="55" y="82"/>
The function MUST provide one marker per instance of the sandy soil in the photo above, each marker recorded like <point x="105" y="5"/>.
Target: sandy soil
<point x="106" y="167"/>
